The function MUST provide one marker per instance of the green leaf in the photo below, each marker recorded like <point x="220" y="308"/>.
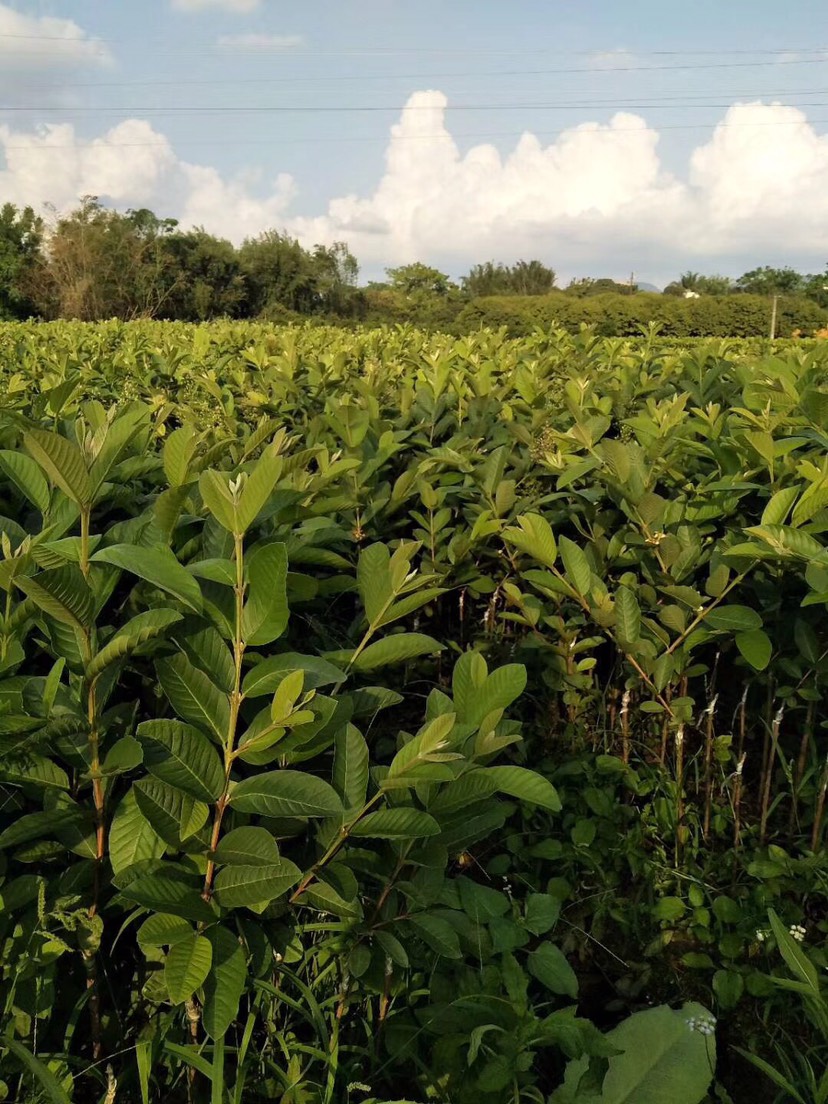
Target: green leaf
<point x="662" y="1058"/>
<point x="169" y="892"/>
<point x="286" y="793"/>
<point x="576" y="567"/>
<point x="756" y="648"/>
<point x="63" y="463"/>
<point x="183" y="757"/>
<point x="187" y="965"/>
<point x="266" y="610"/>
<point x="50" y="1085"/>
<point x="526" y="785"/>
<point x="534" y="537"/>
<point x="502" y="687"/>
<point x="350" y="768"/>
<point x="728" y="987"/>
<point x="437" y="934"/>
<point x="132" y="839"/>
<point x="161" y="930"/>
<point x="112" y="438"/>
<point x="779" y="506"/>
<point x="542" y="912"/>
<point x="627" y="615"/>
<point x="179" y="449"/>
<point x="669" y="909"/>
<point x="239" y="886"/>
<point x="218" y="498"/>
<point x="27" y="477"/>
<point x="140" y="629"/>
<point x="247" y="846"/>
<point x="224" y="985"/>
<point x="426" y="747"/>
<point x="157" y="566"/>
<point x="373" y="580"/>
<point x="733" y="619"/>
<point x="34" y="826"/>
<point x="205" y="649"/>
<point x="787" y="541"/>
<point x="396" y="649"/>
<point x="396" y="824"/>
<point x="174" y="815"/>
<point x="63" y="594"/>
<point x="257" y="489"/>
<point x="795" y="957"/>
<point x="193" y="696"/>
<point x="549" y="965"/>
<point x="266" y="676"/>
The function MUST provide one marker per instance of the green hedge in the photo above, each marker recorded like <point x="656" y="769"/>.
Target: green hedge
<point x="623" y="315"/>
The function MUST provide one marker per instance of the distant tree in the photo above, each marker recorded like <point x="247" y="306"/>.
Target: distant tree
<point x="531" y="278"/>
<point x="418" y="279"/>
<point x="523" y="278"/>
<point x="201" y="277"/>
<point x="21" y="236"/>
<point x="97" y="263"/>
<point x="771" y="281"/>
<point x="277" y="271"/>
<point x="815" y="286"/>
<point x="701" y="285"/>
<point x="336" y="274"/>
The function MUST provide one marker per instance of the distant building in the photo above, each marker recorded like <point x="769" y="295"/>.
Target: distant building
<point x="689" y="294"/>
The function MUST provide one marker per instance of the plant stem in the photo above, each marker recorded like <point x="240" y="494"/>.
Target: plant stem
<point x="820" y="808"/>
<point x="801" y="764"/>
<point x="334" y="848"/>
<point x="236" y="698"/>
<point x="679" y="791"/>
<point x="766" y="782"/>
<point x="708" y="765"/>
<point x="85" y="520"/>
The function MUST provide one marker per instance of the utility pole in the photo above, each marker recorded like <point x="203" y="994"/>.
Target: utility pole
<point x="632" y="282"/>
<point x="773" y="318"/>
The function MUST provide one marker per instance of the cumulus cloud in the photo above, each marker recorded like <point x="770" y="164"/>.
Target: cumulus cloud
<point x="241" y="7"/>
<point x="37" y="43"/>
<point x="135" y="165"/>
<point x="259" y="41"/>
<point x="598" y="191"/>
<point x="596" y="198"/>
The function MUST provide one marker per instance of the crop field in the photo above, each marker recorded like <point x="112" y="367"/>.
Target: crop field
<point x="389" y="717"/>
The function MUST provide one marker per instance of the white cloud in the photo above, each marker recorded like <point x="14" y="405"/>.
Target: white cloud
<point x="239" y="6"/>
<point x="126" y="165"/>
<point x="598" y="192"/>
<point x="34" y="44"/>
<point x="259" y="41"/>
<point x="134" y="165"/>
<point x="597" y="199"/>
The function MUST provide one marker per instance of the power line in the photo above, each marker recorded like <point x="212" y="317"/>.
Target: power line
<point x="96" y="144"/>
<point x="593" y="69"/>
<point x="278" y="109"/>
<point x="476" y="51"/>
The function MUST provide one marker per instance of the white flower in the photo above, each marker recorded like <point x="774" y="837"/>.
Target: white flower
<point x="704" y="1025"/>
<point x="761" y="935"/>
<point x="797" y="932"/>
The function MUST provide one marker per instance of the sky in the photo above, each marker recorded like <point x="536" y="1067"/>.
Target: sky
<point x="605" y="139"/>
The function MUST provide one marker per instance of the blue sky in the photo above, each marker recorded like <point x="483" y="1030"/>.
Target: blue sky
<point x="243" y="114"/>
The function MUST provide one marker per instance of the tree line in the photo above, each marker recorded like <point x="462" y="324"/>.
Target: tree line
<point x="95" y="262"/>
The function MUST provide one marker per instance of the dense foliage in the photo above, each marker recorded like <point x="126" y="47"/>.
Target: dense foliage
<point x="385" y="714"/>
<point x="97" y="263"/>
